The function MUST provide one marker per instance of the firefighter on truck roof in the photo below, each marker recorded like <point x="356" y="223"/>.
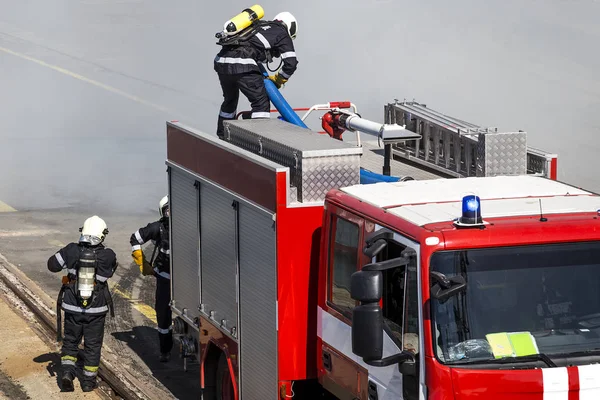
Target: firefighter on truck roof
<point x="158" y="232"/>
<point x="85" y="299"/>
<point x="237" y="65"/>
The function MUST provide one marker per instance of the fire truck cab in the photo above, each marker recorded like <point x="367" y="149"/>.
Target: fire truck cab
<point x="433" y="292"/>
<point x="473" y="274"/>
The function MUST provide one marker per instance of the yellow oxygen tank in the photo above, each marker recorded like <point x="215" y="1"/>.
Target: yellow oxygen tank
<point x="243" y="20"/>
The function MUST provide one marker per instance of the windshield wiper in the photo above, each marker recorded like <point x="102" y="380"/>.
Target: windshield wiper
<point x="509" y="360"/>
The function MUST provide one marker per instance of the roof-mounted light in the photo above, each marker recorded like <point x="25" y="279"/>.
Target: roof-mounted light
<point x="471" y="212"/>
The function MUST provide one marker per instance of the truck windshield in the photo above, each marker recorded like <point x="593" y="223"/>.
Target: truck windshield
<point x="519" y="301"/>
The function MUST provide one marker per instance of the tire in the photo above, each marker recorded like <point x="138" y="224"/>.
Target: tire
<point x="224" y="386"/>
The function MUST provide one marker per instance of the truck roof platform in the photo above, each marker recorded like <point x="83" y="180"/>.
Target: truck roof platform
<point x="372" y="160"/>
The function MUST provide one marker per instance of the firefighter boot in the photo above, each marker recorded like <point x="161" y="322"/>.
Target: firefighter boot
<point x="67" y="382"/>
<point x="87" y="385"/>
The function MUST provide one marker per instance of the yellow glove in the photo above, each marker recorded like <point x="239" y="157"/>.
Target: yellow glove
<point x="140" y="260"/>
<point x="138" y="256"/>
<point x="278" y="80"/>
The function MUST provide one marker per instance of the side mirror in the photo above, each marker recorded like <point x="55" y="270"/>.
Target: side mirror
<point x="367" y="318"/>
<point x="366" y="286"/>
<point x="367" y="331"/>
<point x="445" y="287"/>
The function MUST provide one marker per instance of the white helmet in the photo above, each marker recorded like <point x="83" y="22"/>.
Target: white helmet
<point x="93" y="231"/>
<point x="163" y="207"/>
<point x="289" y="21"/>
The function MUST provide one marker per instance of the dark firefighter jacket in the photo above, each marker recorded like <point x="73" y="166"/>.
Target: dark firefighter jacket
<point x="106" y="264"/>
<point x="273" y="37"/>
<point x="158" y="232"/>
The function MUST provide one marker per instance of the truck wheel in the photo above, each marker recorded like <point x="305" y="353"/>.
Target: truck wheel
<point x="224" y="384"/>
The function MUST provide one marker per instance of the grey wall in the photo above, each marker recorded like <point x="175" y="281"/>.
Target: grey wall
<point x="528" y="65"/>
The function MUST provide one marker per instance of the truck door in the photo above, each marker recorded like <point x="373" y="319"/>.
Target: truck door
<point x="402" y="323"/>
<point x="344" y="373"/>
<point x="400" y="306"/>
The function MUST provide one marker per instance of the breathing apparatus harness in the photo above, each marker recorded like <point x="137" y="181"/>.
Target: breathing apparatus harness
<point x="164" y="234"/>
<point x="242" y="39"/>
<point x="85" y="286"/>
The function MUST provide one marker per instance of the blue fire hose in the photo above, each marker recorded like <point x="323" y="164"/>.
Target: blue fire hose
<point x="367" y="176"/>
<point x="288" y="114"/>
<point x="286" y="111"/>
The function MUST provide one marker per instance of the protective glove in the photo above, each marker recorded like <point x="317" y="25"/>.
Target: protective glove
<point x="138" y="256"/>
<point x="278" y="80"/>
<point x="140" y="260"/>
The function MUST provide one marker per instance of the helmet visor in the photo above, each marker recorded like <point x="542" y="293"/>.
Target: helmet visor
<point x="92" y="240"/>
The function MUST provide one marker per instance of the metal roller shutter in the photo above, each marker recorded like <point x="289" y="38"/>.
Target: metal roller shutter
<point x="184" y="247"/>
<point x="258" y="303"/>
<point x="218" y="253"/>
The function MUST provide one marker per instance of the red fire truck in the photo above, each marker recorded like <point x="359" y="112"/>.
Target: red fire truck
<point x="468" y="272"/>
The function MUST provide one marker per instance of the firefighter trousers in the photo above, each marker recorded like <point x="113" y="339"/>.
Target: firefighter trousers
<point x="163" y="314"/>
<point x="252" y="85"/>
<point x="91" y="329"/>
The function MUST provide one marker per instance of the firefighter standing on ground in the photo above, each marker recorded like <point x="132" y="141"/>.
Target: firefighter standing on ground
<point x="158" y="232"/>
<point x="85" y="299"/>
<point x="238" y="70"/>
